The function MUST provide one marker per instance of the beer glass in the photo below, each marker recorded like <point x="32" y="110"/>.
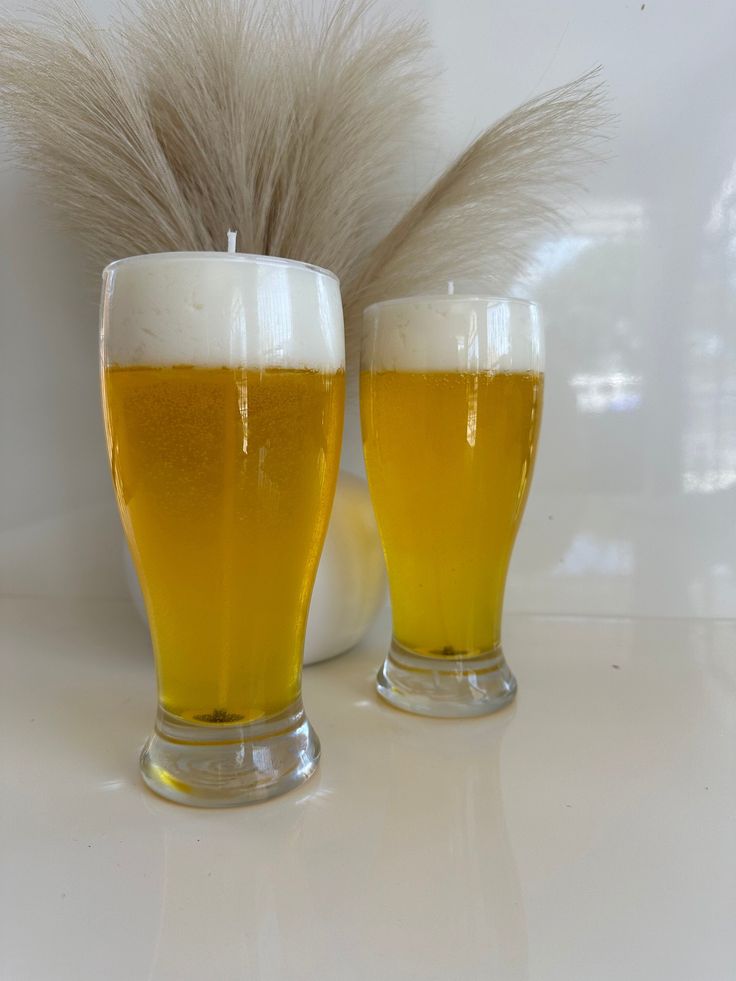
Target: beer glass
<point x="451" y="398"/>
<point x="223" y="394"/>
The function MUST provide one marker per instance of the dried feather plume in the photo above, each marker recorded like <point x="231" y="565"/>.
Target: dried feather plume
<point x="190" y="117"/>
<point x="482" y="217"/>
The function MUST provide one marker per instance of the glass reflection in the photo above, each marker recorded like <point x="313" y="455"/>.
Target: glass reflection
<point x="588" y="553"/>
<point x="469" y="920"/>
<point x="614" y="392"/>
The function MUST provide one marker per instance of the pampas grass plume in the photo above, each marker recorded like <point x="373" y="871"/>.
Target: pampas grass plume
<point x="190" y="117"/>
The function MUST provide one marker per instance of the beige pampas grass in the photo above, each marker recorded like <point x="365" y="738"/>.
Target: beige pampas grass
<point x="193" y="116"/>
<point x="482" y="217"/>
<point x="190" y="117"/>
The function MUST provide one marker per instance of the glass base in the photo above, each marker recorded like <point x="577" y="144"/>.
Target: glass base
<point x="451" y="688"/>
<point x="227" y="766"/>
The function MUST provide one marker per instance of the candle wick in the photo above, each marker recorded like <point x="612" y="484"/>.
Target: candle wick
<point x="232" y="238"/>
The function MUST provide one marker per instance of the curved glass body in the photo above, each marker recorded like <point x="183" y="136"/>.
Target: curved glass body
<point x="451" y="398"/>
<point x="223" y="393"/>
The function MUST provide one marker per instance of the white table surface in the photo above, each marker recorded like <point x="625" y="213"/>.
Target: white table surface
<point x="588" y="833"/>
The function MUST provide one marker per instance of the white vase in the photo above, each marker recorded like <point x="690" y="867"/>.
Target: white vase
<point x="350" y="588"/>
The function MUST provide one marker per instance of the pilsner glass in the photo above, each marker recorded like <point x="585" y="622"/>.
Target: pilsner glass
<point x="223" y="393"/>
<point x="451" y="398"/>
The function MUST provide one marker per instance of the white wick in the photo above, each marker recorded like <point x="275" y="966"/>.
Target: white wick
<point x="232" y="239"/>
<point x="450" y="287"/>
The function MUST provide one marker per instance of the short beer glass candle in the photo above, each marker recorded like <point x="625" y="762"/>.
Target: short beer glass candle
<point x="451" y="399"/>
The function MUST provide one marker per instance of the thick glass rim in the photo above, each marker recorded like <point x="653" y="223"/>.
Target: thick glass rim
<point x="449" y="297"/>
<point x="250" y="258"/>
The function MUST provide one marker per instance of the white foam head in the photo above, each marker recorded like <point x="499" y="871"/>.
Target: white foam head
<point x="453" y="333"/>
<point x="215" y="309"/>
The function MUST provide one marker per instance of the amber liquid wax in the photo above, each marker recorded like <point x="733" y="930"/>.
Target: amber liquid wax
<point x="225" y="478"/>
<point x="449" y="457"/>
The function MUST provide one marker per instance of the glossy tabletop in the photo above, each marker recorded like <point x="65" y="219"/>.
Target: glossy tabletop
<point x="585" y="834"/>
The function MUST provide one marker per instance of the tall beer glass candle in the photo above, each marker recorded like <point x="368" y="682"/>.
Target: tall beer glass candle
<point x="451" y="398"/>
<point x="223" y="392"/>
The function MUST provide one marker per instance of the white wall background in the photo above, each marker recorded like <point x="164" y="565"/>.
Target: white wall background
<point x="634" y="500"/>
